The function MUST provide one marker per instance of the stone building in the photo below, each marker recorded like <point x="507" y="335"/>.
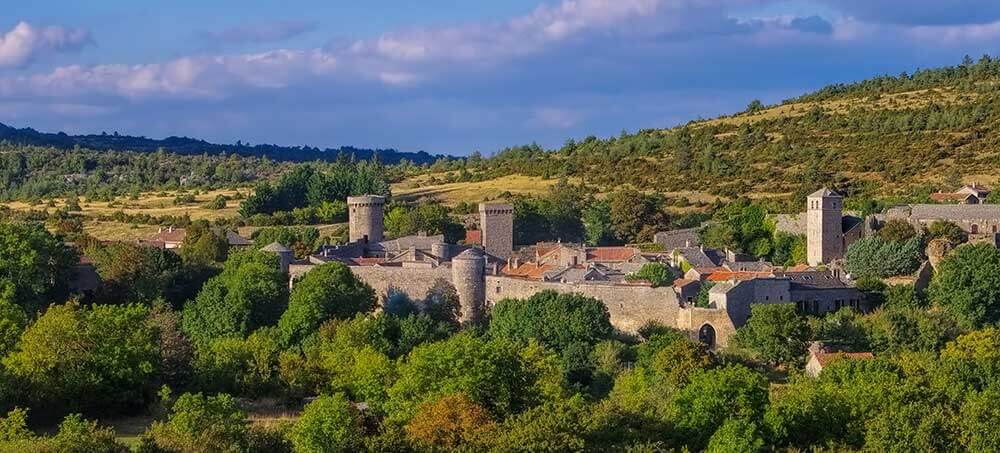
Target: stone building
<point x="824" y="227"/>
<point x="974" y="220"/>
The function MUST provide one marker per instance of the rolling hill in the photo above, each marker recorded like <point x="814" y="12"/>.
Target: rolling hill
<point x="889" y="137"/>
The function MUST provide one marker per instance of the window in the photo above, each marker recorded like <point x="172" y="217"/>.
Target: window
<point x="974" y="229"/>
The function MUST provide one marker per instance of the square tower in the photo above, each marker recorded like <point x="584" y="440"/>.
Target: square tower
<point x="824" y="227"/>
<point x="497" y="224"/>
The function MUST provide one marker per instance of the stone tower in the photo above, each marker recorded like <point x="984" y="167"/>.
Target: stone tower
<point x="365" y="216"/>
<point x="285" y="255"/>
<point x="497" y="224"/>
<point x="824" y="227"/>
<point x="468" y="276"/>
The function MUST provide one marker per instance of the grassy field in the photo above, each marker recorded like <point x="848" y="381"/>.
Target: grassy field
<point x="424" y="188"/>
<point x="155" y="204"/>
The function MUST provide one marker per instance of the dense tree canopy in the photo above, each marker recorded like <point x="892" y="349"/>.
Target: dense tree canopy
<point x="558" y="320"/>
<point x="968" y="284"/>
<point x="330" y="291"/>
<point x="36" y="263"/>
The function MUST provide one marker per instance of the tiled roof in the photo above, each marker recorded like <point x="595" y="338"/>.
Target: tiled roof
<point x="940" y="196"/>
<point x="418" y="241"/>
<point x="474" y="237"/>
<point x="723" y="276"/>
<point x="528" y="270"/>
<point x="275" y="247"/>
<point x="367" y="261"/>
<point x="696" y="257"/>
<point x="825" y="358"/>
<point x="749" y="266"/>
<point x="969" y="212"/>
<point x="824" y="192"/>
<point x="170" y="235"/>
<point x="682" y="282"/>
<point x="611" y="253"/>
<point x="678" y="238"/>
<point x="235" y="239"/>
<point x="812" y="280"/>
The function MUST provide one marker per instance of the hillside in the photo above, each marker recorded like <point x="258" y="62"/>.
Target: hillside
<point x="190" y="146"/>
<point x="887" y="137"/>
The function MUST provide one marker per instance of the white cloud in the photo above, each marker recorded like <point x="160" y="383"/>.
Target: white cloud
<point x="260" y="33"/>
<point x="25" y="42"/>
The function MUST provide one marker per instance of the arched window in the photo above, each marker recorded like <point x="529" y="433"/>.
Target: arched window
<point x="974" y="229"/>
<point x="706" y="335"/>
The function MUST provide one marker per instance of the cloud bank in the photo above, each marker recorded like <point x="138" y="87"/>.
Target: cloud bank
<point x="25" y="42"/>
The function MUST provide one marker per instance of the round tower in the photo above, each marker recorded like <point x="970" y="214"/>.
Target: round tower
<point x="365" y="216"/>
<point x="468" y="275"/>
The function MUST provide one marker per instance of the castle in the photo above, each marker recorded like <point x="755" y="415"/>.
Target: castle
<point x="483" y="274"/>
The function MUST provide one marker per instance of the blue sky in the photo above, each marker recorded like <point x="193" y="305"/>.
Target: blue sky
<point x="449" y="76"/>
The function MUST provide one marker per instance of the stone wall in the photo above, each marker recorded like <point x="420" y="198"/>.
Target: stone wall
<point x="693" y="319"/>
<point x="629" y="306"/>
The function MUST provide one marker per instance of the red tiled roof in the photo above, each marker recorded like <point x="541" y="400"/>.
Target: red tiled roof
<point x="825" y="358"/>
<point x="611" y="253"/>
<point x="473" y="237"/>
<point x="84" y="259"/>
<point x="800" y="268"/>
<point x="528" y="270"/>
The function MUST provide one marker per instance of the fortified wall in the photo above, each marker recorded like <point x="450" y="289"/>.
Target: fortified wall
<point x="630" y="306"/>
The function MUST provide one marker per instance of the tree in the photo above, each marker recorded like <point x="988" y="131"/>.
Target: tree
<point x="897" y="230"/>
<point x="807" y="413"/>
<point x="491" y="373"/>
<point x="876" y="257"/>
<point x="736" y="436"/>
<point x="658" y="274"/>
<point x="560" y="425"/>
<point x="980" y="416"/>
<point x="636" y="217"/>
<point x="131" y="273"/>
<point x="451" y="423"/>
<point x="251" y="292"/>
<point x="12" y="319"/>
<point x="102" y="357"/>
<point x="201" y="423"/>
<point x="967" y="285"/>
<point x="240" y="366"/>
<point x="947" y="230"/>
<point x="597" y="223"/>
<point x="329" y="423"/>
<point x="555" y="319"/>
<point x="330" y="291"/>
<point x="715" y="396"/>
<point x="776" y="332"/>
<point x="37" y="264"/>
<point x="203" y="244"/>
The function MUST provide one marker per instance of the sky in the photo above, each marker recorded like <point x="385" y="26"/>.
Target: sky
<point x="450" y="76"/>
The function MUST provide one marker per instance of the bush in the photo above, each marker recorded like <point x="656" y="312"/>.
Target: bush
<point x="330" y="423"/>
<point x="200" y="423"/>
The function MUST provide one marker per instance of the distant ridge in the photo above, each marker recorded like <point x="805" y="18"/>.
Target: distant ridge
<point x="185" y="145"/>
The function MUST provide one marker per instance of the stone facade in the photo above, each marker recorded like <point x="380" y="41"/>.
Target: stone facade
<point x="824" y="227"/>
<point x="367" y="224"/>
<point x="496" y="221"/>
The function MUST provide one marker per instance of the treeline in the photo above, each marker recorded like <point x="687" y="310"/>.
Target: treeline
<point x="190" y="146"/>
<point x="323" y="190"/>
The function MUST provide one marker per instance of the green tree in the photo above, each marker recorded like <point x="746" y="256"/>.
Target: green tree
<point x="597" y="223"/>
<point x="947" y="230"/>
<point x="201" y="423"/>
<point x="897" y="230"/>
<point x="736" y="436"/>
<point x="967" y="285"/>
<point x="716" y="396"/>
<point x="251" y="292"/>
<point x="328" y="424"/>
<point x="636" y="217"/>
<point x="658" y="274"/>
<point x="203" y="244"/>
<point x="326" y="292"/>
<point x="776" y="332"/>
<point x="876" y="257"/>
<point x="36" y="263"/>
<point x="491" y="373"/>
<point x="557" y="320"/>
<point x="561" y="425"/>
<point x="980" y="415"/>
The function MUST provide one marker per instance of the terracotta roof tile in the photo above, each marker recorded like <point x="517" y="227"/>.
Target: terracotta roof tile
<point x="722" y="276"/>
<point x="170" y="235"/>
<point x="474" y="237"/>
<point x="611" y="253"/>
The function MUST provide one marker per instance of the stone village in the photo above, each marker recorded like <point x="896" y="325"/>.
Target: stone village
<point x="487" y="268"/>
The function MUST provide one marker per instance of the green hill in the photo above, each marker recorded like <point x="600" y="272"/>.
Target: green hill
<point x="889" y="136"/>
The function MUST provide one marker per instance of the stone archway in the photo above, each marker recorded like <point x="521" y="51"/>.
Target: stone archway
<point x="706" y="335"/>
